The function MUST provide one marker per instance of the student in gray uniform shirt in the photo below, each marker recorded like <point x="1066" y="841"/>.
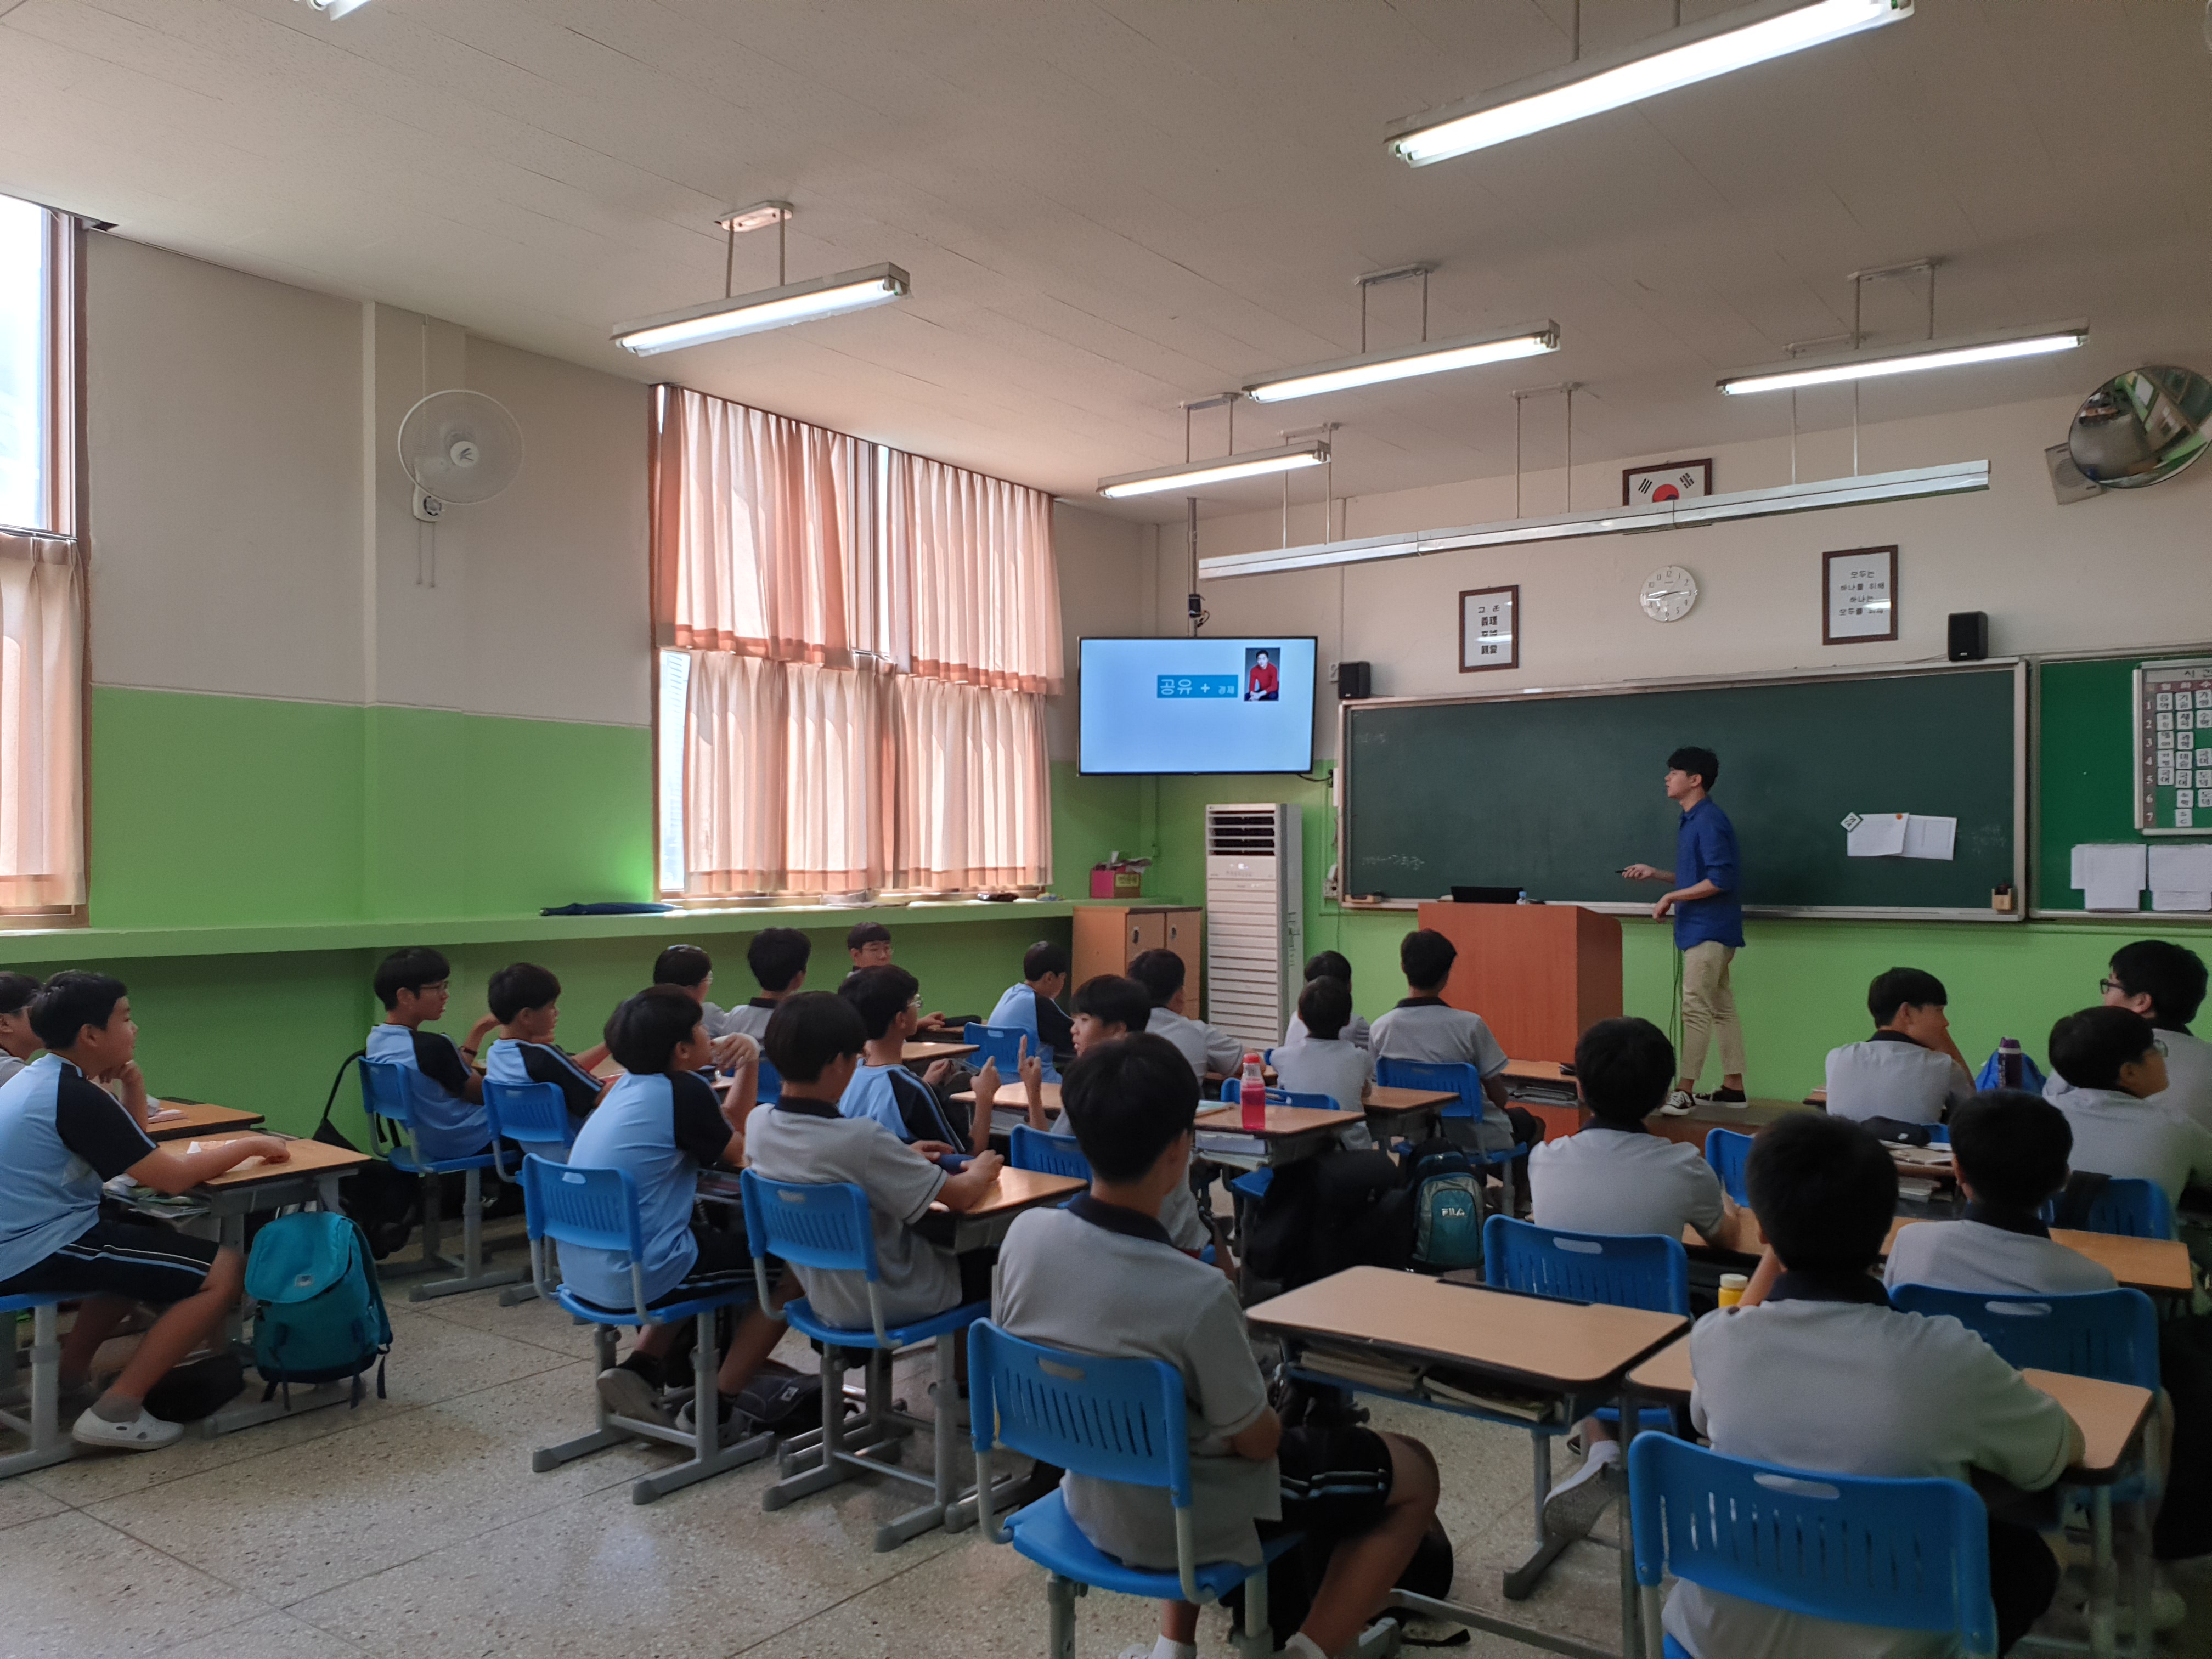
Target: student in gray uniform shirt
<point x="2011" y="1149"/>
<point x="2165" y="983"/>
<point x="1208" y="1047"/>
<point x="1424" y="1026"/>
<point x="1100" y="1277"/>
<point x="2112" y="1058"/>
<point x="1321" y="1059"/>
<point x="1817" y="1372"/>
<point x="1909" y="1071"/>
<point x="778" y="958"/>
<point x="1329" y="964"/>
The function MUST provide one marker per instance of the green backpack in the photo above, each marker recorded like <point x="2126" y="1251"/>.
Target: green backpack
<point x="321" y="1315"/>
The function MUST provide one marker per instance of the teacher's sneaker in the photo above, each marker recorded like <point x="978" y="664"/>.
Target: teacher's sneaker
<point x="144" y="1432"/>
<point x="1726" y="1097"/>
<point x="1678" y="1104"/>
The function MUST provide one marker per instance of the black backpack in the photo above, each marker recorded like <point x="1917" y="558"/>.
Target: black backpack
<point x="1322" y="1215"/>
<point x="387" y="1203"/>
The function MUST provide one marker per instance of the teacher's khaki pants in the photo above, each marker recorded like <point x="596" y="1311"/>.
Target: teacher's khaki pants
<point x="1709" y="1007"/>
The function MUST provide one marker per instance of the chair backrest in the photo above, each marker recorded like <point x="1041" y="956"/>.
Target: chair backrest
<point x="1232" y="1093"/>
<point x="571" y="1204"/>
<point x="1939" y="1134"/>
<point x="534" y="1114"/>
<point x="1728" y="1151"/>
<point x="1048" y="1154"/>
<point x="1112" y="1419"/>
<point x="387" y="1091"/>
<point x="1002" y="1043"/>
<point x="2109" y="1335"/>
<point x="1903" y="1554"/>
<point x="825" y="1227"/>
<point x="768" y="1084"/>
<point x="2128" y="1207"/>
<point x="1456" y="1075"/>
<point x="1625" y="1270"/>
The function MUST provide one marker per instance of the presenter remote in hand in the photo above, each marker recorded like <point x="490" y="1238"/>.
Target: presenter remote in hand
<point x="1708" y="925"/>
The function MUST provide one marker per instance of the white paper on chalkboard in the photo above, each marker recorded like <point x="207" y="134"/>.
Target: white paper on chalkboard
<point x="2181" y="869"/>
<point x="2111" y="875"/>
<point x="1875" y="836"/>
<point x="1929" y="838"/>
<point x="2164" y="898"/>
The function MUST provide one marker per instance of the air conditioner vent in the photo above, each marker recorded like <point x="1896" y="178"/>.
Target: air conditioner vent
<point x="1254" y="920"/>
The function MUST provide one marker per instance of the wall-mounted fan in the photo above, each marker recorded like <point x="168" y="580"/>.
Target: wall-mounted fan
<point x="458" y="449"/>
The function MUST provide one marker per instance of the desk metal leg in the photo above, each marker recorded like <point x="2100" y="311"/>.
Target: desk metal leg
<point x="2104" y="1578"/>
<point x="1632" y="1645"/>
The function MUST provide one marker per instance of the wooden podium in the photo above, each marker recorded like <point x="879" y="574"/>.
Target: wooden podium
<point x="1540" y="974"/>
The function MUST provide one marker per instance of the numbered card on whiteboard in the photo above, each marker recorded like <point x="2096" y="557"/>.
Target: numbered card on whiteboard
<point x="1859" y="594"/>
<point x="1489" y="629"/>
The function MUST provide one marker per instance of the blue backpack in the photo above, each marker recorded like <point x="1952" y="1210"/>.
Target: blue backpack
<point x="1446" y="1208"/>
<point x="321" y="1315"/>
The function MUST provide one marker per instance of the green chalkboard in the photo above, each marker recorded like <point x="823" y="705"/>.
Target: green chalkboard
<point x="1554" y="792"/>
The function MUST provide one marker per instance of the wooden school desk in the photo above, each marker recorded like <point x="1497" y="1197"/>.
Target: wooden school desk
<point x="919" y="1055"/>
<point x="1012" y="1106"/>
<point x="195" y="1118"/>
<point x="1560" y="1351"/>
<point x="1012" y="1193"/>
<point x="1291" y="1133"/>
<point x="2157" y="1267"/>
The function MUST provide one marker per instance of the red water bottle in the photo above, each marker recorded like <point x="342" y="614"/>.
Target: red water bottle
<point x="1252" y="1095"/>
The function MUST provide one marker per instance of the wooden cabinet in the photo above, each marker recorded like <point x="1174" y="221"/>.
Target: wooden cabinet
<point x="1107" y="936"/>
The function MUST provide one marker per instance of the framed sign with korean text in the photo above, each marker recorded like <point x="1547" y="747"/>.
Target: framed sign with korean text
<point x="1489" y="629"/>
<point x="1858" y="595"/>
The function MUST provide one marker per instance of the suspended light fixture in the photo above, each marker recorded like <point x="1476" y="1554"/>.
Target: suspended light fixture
<point x="1679" y="57"/>
<point x="1252" y="464"/>
<point x="1403" y="362"/>
<point x="1924" y="355"/>
<point x="770" y="307"/>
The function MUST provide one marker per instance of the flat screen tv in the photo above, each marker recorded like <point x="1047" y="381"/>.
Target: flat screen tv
<point x="1202" y="705"/>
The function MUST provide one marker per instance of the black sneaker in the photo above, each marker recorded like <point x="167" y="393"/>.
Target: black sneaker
<point x="1725" y="1097"/>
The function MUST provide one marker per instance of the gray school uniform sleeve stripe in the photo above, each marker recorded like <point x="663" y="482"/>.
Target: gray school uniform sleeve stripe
<point x="93" y="1124"/>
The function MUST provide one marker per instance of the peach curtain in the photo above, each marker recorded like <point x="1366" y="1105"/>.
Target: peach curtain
<point x="760" y="531"/>
<point x="41" y="723"/>
<point x="973" y="804"/>
<point x="734" y="791"/>
<point x="974" y="593"/>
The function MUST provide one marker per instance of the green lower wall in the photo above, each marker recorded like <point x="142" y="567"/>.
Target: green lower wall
<point x="1800" y="986"/>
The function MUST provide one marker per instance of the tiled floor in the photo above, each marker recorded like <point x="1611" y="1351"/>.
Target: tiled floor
<point x="413" y="1528"/>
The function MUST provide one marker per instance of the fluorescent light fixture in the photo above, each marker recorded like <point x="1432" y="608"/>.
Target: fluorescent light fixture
<point x="1253" y="463"/>
<point x="1403" y="362"/>
<point x="1930" y="354"/>
<point x="1678" y="58"/>
<point x="770" y="307"/>
<point x="1953" y="478"/>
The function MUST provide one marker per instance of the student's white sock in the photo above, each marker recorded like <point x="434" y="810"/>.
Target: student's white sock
<point x="1164" y="1649"/>
<point x="1303" y="1646"/>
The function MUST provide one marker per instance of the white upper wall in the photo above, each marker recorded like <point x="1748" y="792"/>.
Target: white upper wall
<point x="237" y="548"/>
<point x="1106" y="579"/>
<point x="2125" y="570"/>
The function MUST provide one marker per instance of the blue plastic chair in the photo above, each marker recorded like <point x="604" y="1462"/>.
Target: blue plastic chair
<point x="1110" y="1419"/>
<point x="1004" y="1044"/>
<point x="2128" y="1208"/>
<point x="388" y="1093"/>
<point x="1625" y="1270"/>
<point x="1252" y="1186"/>
<point x="1728" y="1151"/>
<point x="534" y="1116"/>
<point x="1464" y="1081"/>
<point x="767" y="1083"/>
<point x="826" y="1229"/>
<point x="1903" y="1554"/>
<point x="39" y="1420"/>
<point x="597" y="1209"/>
<point x="1048" y="1154"/>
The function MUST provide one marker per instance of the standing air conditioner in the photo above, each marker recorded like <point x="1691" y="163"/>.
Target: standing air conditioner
<point x="1254" y="920"/>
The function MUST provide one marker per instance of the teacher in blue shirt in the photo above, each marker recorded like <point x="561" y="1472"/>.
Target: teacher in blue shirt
<point x="1708" y="926"/>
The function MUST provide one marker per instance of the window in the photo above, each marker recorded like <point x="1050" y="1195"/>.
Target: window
<point x="42" y="593"/>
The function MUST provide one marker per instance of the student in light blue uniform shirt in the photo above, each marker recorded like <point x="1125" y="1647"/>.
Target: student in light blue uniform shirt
<point x="1708" y="909"/>
<point x="447" y="1091"/>
<point x="662" y="1124"/>
<point x="1033" y="1006"/>
<point x="18" y="1042"/>
<point x="526" y="1000"/>
<point x="888" y="1000"/>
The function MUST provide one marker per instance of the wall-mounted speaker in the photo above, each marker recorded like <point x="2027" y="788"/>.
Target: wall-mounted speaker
<point x="1970" y="635"/>
<point x="1353" y="682"/>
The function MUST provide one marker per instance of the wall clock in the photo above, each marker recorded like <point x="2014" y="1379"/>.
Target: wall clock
<point x="1668" y="593"/>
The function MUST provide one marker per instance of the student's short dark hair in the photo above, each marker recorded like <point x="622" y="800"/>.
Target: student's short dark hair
<point x="809" y="1033"/>
<point x="1325" y="1005"/>
<point x="17" y="991"/>
<point x="1126" y="1100"/>
<point x="642" y="1033"/>
<point x="1426" y="957"/>
<point x="1624" y="1067"/>
<point x="1160" y="972"/>
<point x="1904" y="988"/>
<point x="1041" y="958"/>
<point x="2171" y="976"/>
<point x="524" y="985"/>
<point x="778" y="955"/>
<point x="1692" y="759"/>
<point x="2012" y="1148"/>
<point x="2089" y="1048"/>
<point x="1824" y="1190"/>
<point x="410" y="969"/>
<point x="879" y="995"/>
<point x="1114" y="1000"/>
<point x="1328" y="964"/>
<point x="868" y="932"/>
<point x="682" y="965"/>
<point x="71" y="1000"/>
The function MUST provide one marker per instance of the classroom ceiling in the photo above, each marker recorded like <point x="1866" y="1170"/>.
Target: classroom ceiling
<point x="1110" y="206"/>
